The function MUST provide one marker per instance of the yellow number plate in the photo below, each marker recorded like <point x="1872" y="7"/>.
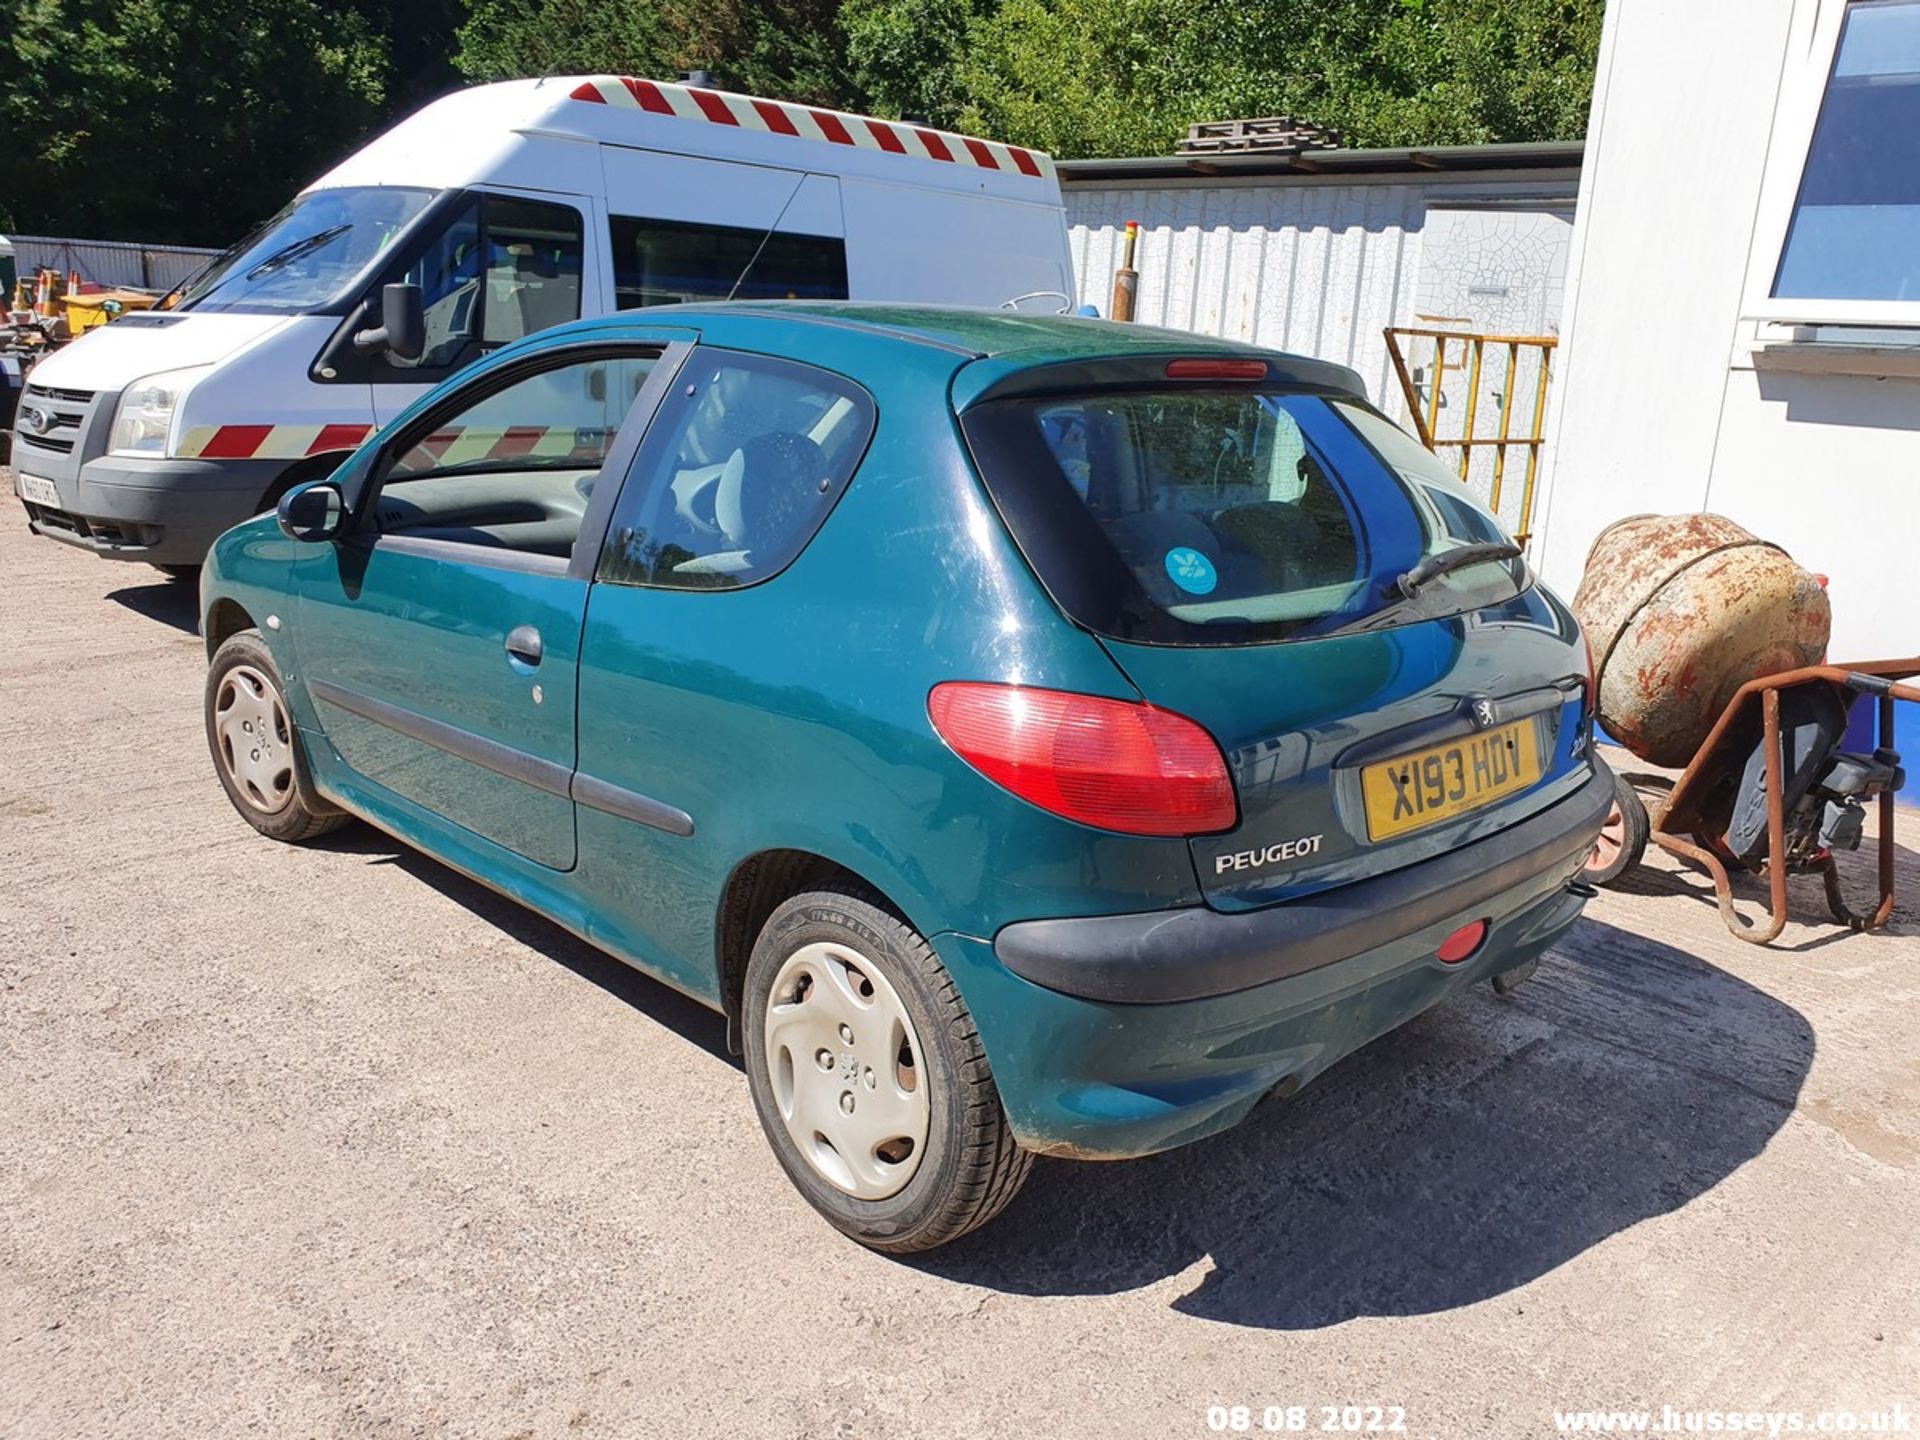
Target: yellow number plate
<point x="1428" y="786"/>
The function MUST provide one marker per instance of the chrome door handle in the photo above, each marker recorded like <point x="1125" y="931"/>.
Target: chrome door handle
<point x="523" y="644"/>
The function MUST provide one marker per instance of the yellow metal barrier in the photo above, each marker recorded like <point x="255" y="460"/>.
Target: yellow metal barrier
<point x="1511" y="382"/>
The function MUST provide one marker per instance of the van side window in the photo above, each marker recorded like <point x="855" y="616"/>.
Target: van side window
<point x="665" y="262"/>
<point x="533" y="268"/>
<point x="512" y="468"/>
<point x="501" y="268"/>
<point x="730" y="486"/>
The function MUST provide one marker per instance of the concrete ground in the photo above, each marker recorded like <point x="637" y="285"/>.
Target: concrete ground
<point x="332" y="1142"/>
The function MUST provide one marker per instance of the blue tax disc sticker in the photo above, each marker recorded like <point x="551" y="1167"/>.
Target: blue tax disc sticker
<point x="1191" y="570"/>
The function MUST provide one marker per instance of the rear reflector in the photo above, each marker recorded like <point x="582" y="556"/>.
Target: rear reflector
<point x="1216" y="369"/>
<point x="1113" y="764"/>
<point x="1462" y="942"/>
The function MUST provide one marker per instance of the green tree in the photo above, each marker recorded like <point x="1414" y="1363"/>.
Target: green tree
<point x="177" y="120"/>
<point x="1113" y="77"/>
<point x="789" y="48"/>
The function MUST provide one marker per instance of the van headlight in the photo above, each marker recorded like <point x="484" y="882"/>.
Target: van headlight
<point x="145" y="414"/>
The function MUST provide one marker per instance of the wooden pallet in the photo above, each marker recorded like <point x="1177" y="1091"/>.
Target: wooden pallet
<point x="1268" y="134"/>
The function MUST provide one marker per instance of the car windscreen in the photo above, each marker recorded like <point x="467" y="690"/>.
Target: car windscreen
<point x="306" y="255"/>
<point x="1196" y="516"/>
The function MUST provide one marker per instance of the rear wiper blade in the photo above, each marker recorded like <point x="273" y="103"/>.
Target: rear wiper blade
<point x="1447" y="561"/>
<point x="282" y="258"/>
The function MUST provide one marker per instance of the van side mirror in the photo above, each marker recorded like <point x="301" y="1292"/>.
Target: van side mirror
<point x="315" y="511"/>
<point x="402" y="331"/>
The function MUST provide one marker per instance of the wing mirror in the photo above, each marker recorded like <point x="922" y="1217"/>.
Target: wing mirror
<point x="316" y="511"/>
<point x="402" y="331"/>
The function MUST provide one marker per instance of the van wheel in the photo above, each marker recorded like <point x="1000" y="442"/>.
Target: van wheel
<point x="179" y="572"/>
<point x="1623" y="838"/>
<point x="869" y="1077"/>
<point x="256" y="751"/>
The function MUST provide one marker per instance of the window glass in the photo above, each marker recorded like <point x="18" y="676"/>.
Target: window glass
<point x="448" y="274"/>
<point x="515" y="468"/>
<point x="305" y="255"/>
<point x="1855" y="231"/>
<point x="501" y="268"/>
<point x="730" y="489"/>
<point x="533" y="268"/>
<point x="665" y="262"/>
<point x="1209" y="517"/>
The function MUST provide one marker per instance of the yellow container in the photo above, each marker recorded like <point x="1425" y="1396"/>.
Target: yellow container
<point x="86" y="311"/>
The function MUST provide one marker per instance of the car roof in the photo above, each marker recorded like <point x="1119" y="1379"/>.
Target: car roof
<point x="1017" y="341"/>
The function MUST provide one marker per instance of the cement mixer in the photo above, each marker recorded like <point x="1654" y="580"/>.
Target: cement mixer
<point x="1709" y="647"/>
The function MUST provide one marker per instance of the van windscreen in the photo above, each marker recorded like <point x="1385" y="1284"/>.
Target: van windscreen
<point x="307" y="254"/>
<point x="1208" y="516"/>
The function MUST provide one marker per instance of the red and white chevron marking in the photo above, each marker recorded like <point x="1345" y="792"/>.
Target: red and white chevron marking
<point x="463" y="444"/>
<point x="268" y="442"/>
<point x="803" y="122"/>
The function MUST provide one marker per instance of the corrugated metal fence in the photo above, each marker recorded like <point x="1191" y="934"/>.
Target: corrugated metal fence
<point x="1316" y="267"/>
<point x="110" y="262"/>
<point x="1318" y="270"/>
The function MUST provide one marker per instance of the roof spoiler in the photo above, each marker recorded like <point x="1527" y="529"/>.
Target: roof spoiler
<point x="1175" y="367"/>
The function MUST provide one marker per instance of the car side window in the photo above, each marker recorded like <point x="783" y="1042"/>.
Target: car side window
<point x="511" y="466"/>
<point x="730" y="486"/>
<point x="500" y="268"/>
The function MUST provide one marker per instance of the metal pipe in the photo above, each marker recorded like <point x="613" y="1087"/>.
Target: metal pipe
<point x="1533" y="448"/>
<point x="1126" y="280"/>
<point x="1506" y="423"/>
<point x="1439" y="374"/>
<point x="1473" y="404"/>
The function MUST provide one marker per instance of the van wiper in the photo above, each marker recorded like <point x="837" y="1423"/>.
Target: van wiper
<point x="1447" y="561"/>
<point x="280" y="259"/>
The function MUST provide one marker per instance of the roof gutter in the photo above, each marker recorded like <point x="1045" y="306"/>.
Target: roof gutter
<point x="1428" y="160"/>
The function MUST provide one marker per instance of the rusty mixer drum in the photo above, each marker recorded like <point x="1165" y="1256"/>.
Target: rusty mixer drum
<point x="1681" y="611"/>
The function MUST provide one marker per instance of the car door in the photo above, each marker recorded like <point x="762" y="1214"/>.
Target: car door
<point x="683" y="688"/>
<point x="439" y="639"/>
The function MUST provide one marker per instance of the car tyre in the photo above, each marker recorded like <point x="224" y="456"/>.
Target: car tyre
<point x="827" y="959"/>
<point x="256" y="749"/>
<point x="1623" y="838"/>
<point x="177" y="572"/>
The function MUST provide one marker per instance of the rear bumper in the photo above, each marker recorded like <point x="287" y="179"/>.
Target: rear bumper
<point x="1092" y="1076"/>
<point x="1189" y="954"/>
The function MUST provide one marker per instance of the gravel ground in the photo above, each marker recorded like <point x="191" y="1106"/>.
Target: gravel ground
<point x="332" y="1142"/>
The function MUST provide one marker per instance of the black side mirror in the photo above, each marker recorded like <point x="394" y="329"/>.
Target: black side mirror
<point x="402" y="332"/>
<point x="315" y="511"/>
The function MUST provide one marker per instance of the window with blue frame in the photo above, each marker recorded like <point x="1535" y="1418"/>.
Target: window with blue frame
<point x="1855" y="231"/>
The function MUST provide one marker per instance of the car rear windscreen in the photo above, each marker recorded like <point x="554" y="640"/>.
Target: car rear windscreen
<point x="1206" y="516"/>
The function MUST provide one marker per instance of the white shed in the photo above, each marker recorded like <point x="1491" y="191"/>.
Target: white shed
<point x="1743" y="310"/>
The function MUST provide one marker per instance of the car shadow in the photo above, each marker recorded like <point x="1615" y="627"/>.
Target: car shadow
<point x="1452" y="1161"/>
<point x="657" y="1001"/>
<point x="171" y="602"/>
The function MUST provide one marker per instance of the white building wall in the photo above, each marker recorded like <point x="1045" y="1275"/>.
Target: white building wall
<point x="1315" y="265"/>
<point x="1659" y="406"/>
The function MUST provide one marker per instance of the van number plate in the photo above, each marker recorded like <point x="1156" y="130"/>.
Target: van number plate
<point x="40" y="492"/>
<point x="1414" y="791"/>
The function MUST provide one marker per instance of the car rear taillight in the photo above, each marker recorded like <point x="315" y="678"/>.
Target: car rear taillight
<point x="1114" y="764"/>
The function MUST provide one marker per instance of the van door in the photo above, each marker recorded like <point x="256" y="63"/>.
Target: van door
<point x="501" y="266"/>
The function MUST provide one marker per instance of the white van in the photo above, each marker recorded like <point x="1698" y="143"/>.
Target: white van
<point x="510" y="207"/>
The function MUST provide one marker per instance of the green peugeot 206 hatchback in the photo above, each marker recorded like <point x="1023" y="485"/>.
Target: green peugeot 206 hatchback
<point x="1035" y="736"/>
